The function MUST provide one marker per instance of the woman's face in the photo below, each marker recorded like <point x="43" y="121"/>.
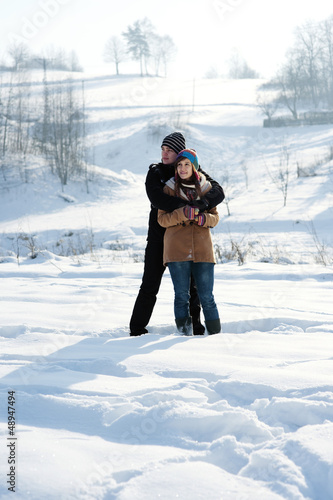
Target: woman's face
<point x="184" y="169"/>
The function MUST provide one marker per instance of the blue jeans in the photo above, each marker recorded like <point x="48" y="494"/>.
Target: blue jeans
<point x="203" y="273"/>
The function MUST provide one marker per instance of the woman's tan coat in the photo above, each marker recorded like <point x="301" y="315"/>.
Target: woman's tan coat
<point x="184" y="239"/>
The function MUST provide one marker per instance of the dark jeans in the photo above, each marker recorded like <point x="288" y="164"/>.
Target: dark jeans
<point x="203" y="273"/>
<point x="151" y="281"/>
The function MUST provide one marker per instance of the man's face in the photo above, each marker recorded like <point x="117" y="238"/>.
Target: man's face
<point x="168" y="155"/>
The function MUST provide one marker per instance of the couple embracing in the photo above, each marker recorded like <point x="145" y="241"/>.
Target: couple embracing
<point x="183" y="209"/>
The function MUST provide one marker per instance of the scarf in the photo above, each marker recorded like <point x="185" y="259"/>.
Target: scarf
<point x="190" y="188"/>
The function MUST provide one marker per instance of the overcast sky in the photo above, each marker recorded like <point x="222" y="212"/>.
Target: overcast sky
<point x="204" y="31"/>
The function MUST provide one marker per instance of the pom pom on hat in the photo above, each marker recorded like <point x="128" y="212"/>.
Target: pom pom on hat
<point x="191" y="155"/>
<point x="175" y="141"/>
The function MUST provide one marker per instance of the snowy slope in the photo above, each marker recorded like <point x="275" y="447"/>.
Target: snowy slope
<point x="247" y="414"/>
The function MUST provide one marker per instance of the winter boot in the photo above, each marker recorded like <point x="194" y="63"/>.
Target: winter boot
<point x="198" y="328"/>
<point x="184" y="325"/>
<point x="137" y="333"/>
<point x="213" y="326"/>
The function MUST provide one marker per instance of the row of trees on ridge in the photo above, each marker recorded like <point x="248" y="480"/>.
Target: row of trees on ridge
<point x="57" y="58"/>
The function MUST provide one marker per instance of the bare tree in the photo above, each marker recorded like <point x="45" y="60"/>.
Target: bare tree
<point x="149" y="34"/>
<point x="156" y="53"/>
<point x="43" y="129"/>
<point x="309" y="48"/>
<point x="7" y="115"/>
<point x="21" y="137"/>
<point x="290" y="81"/>
<point x="15" y="126"/>
<point x="73" y="62"/>
<point x="212" y="72"/>
<point x="326" y="59"/>
<point x="83" y="143"/>
<point x="239" y="68"/>
<point x="162" y="51"/>
<point x="280" y="177"/>
<point x="67" y="129"/>
<point x="244" y="168"/>
<point x="59" y="60"/>
<point x="226" y="183"/>
<point x="56" y="57"/>
<point x="115" y="51"/>
<point x="168" y="51"/>
<point x="267" y="104"/>
<point x="19" y="52"/>
<point x="323" y="256"/>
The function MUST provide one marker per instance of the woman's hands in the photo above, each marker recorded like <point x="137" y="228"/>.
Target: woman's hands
<point x="192" y="214"/>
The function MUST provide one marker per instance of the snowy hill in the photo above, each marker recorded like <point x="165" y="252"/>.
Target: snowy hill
<point x="244" y="414"/>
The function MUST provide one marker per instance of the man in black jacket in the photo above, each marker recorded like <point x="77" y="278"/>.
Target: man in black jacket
<point x="158" y="175"/>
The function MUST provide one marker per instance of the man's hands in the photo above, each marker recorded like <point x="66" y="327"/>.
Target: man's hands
<point x="192" y="213"/>
<point x="201" y="204"/>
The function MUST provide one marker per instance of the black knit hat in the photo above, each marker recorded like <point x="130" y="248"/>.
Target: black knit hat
<point x="175" y="141"/>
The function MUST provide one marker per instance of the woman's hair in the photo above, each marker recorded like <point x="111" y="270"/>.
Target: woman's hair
<point x="193" y="180"/>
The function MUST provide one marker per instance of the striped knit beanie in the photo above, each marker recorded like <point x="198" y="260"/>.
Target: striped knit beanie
<point x="174" y="141"/>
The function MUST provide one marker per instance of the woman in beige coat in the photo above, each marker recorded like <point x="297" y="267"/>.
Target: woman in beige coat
<point x="188" y="246"/>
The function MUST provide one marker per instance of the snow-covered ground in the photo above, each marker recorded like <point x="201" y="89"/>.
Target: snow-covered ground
<point x="247" y="414"/>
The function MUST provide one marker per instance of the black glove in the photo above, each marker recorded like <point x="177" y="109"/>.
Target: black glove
<point x="201" y="204"/>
